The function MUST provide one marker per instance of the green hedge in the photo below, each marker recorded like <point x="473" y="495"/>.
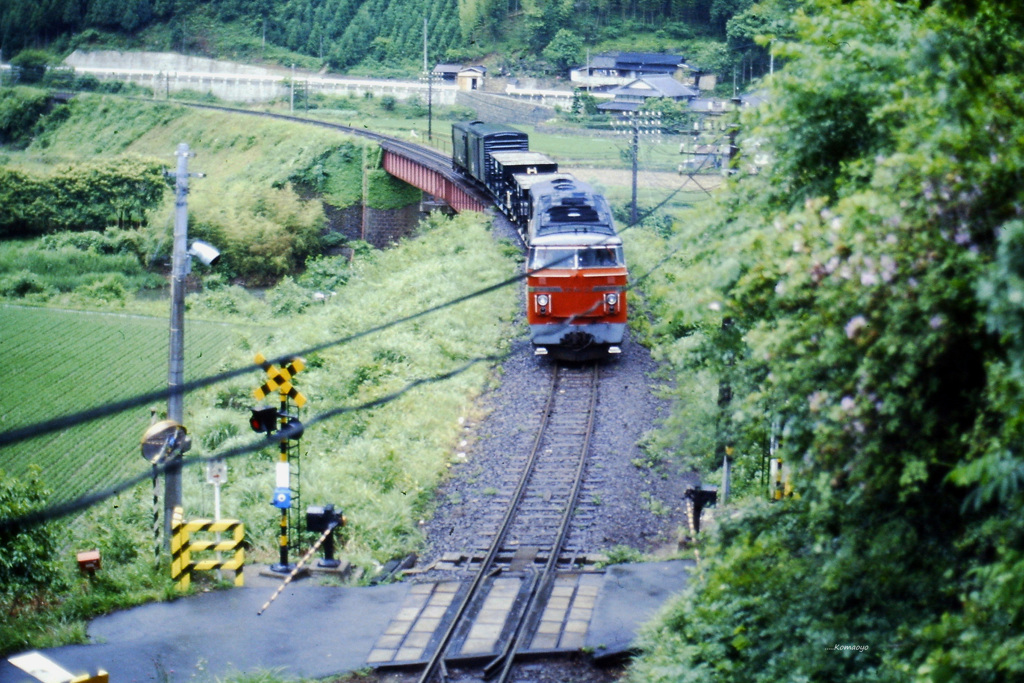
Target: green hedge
<point x="84" y="196"/>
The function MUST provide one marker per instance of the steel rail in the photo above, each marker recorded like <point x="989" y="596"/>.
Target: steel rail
<point x="431" y="158"/>
<point x="539" y="581"/>
<point x="541" y="586"/>
<point x="488" y="562"/>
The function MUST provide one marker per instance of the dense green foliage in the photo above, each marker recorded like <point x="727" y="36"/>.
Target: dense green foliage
<point x="861" y="302"/>
<point x="84" y="196"/>
<point x="29" y="560"/>
<point x="20" y="110"/>
<point x="107" y="266"/>
<point x="262" y="200"/>
<point x="386" y="36"/>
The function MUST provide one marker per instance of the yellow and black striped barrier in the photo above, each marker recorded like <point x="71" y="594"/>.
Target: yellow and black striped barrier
<point x="182" y="548"/>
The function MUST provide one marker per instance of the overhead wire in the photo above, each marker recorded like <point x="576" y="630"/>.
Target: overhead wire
<point x="19" y="434"/>
<point x="50" y="513"/>
<point x="62" y="422"/>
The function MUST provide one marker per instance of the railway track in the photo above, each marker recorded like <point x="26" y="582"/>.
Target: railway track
<point x="528" y="546"/>
<point x="428" y="157"/>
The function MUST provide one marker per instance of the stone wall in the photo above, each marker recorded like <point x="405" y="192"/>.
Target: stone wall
<point x="387" y="226"/>
<point x="383" y="226"/>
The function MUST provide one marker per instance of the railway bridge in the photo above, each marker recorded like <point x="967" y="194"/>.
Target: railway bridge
<point x="431" y="172"/>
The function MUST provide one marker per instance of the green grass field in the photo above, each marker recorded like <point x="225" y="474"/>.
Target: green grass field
<point x="59" y="362"/>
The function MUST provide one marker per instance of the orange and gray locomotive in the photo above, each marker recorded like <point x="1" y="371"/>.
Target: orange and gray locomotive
<point x="576" y="272"/>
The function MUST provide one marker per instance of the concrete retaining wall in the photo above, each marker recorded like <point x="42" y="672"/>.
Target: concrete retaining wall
<point x="498" y="109"/>
<point x="167" y="72"/>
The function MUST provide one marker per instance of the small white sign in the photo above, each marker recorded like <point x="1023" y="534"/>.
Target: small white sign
<point x="216" y="472"/>
<point x="283" y="478"/>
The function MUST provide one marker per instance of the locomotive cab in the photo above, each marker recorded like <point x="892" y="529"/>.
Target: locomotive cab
<point x="576" y="298"/>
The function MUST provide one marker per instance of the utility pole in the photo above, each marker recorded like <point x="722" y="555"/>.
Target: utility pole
<point x="634" y="125"/>
<point x="176" y="360"/>
<point x="430" y="84"/>
<point x="634" y="153"/>
<point x="181" y="264"/>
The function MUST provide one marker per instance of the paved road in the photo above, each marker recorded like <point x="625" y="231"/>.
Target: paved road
<point x="310" y="631"/>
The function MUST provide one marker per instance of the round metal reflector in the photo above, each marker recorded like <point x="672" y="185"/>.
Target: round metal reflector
<point x="163" y="441"/>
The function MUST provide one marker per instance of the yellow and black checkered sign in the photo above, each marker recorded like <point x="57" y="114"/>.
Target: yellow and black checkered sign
<point x="279" y="380"/>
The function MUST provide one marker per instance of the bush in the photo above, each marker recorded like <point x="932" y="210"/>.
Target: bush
<point x="85" y="196"/>
<point x="229" y="300"/>
<point x="29" y="561"/>
<point x="326" y="273"/>
<point x="865" y="330"/>
<point x="20" y="110"/>
<point x="21" y="284"/>
<point x="33" y="64"/>
<point x="288" y="298"/>
<point x="111" y="241"/>
<point x="112" y="287"/>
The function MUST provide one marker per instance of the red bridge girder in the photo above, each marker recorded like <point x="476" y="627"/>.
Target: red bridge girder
<point x="432" y="182"/>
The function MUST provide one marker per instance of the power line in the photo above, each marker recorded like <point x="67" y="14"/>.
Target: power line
<point x="19" y="434"/>
<point x="51" y="513"/>
<point x="72" y="419"/>
<point x="48" y="514"/>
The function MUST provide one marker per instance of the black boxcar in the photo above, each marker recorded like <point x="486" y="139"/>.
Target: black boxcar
<point x="473" y="141"/>
<point x="503" y="169"/>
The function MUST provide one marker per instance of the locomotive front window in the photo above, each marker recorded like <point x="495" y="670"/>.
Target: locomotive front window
<point x="544" y="257"/>
<point x="601" y="257"/>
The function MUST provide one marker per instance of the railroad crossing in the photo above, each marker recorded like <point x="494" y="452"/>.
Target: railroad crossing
<point x="315" y="630"/>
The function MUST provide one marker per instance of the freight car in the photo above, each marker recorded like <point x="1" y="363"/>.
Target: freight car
<point x="576" y="272"/>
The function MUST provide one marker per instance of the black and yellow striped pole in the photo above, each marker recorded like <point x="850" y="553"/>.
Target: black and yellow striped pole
<point x="279" y="379"/>
<point x="283" y="481"/>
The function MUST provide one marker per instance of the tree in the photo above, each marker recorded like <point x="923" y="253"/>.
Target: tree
<point x="565" y="50"/>
<point x="32" y="64"/>
<point x="30" y="560"/>
<point x="874" y="293"/>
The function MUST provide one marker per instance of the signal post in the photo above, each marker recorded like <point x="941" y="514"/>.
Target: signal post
<point x="270" y="420"/>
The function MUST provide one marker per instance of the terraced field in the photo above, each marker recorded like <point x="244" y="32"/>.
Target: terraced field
<point x="59" y="362"/>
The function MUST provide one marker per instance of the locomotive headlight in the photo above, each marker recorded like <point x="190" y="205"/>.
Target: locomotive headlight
<point x="543" y="300"/>
<point x="611" y="298"/>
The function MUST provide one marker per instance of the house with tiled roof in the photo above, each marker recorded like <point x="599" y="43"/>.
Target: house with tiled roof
<point x="466" y="77"/>
<point x="631" y="97"/>
<point x="619" y="68"/>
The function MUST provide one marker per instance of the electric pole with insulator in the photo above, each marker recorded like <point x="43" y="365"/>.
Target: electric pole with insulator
<point x="636" y="124"/>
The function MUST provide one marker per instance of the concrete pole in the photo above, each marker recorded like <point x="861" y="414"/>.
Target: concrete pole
<point x="635" y="147"/>
<point x="176" y="360"/>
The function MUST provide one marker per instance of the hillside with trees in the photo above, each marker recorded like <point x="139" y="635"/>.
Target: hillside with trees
<point x="386" y="36"/>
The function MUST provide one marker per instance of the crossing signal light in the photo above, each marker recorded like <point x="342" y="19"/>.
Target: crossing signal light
<point x="263" y="420"/>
